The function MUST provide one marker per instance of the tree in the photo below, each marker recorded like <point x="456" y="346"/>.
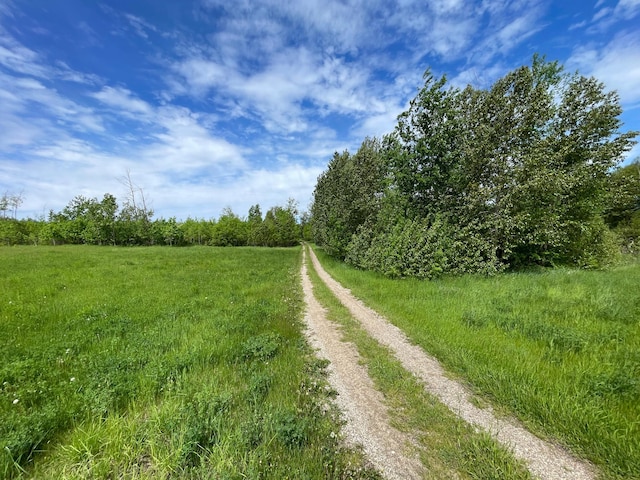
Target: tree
<point x="347" y="195"/>
<point x="622" y="212"/>
<point x="515" y="175"/>
<point x="10" y="202"/>
<point x="256" y="234"/>
<point x="134" y="221"/>
<point x="230" y="230"/>
<point x="197" y="232"/>
<point x="4" y="204"/>
<point x="306" y="226"/>
<point x="280" y="226"/>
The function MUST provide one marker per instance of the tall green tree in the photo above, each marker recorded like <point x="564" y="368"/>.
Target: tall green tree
<point x="513" y="175"/>
<point x="230" y="230"/>
<point x="622" y="212"/>
<point x="347" y="195"/>
<point x="256" y="235"/>
<point x="280" y="226"/>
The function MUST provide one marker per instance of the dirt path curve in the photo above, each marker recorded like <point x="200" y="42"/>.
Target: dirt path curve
<point x="544" y="460"/>
<point x="367" y="422"/>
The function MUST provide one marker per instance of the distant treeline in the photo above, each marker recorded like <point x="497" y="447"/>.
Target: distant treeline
<point x="104" y="222"/>
<point x="473" y="180"/>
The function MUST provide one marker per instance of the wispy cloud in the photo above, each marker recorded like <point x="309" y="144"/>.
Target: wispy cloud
<point x="617" y="64"/>
<point x="217" y="103"/>
<point x="606" y="17"/>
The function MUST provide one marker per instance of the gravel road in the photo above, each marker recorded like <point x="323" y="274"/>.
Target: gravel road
<point x="366" y="416"/>
<point x="367" y="422"/>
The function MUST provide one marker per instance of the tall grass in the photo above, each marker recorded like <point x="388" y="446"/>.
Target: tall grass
<point x="159" y="362"/>
<point x="560" y="349"/>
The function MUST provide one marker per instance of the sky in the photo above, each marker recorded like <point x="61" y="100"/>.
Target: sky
<point x="214" y="104"/>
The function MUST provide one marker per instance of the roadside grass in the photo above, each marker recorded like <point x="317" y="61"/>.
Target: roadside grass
<point x="560" y="349"/>
<point x="448" y="446"/>
<point x="161" y="362"/>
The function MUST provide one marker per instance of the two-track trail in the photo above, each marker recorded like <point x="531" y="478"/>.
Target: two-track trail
<point x="366" y="415"/>
<point x="367" y="422"/>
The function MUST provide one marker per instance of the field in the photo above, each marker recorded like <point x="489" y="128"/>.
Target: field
<point x="560" y="349"/>
<point x="158" y="362"/>
<point x="191" y="363"/>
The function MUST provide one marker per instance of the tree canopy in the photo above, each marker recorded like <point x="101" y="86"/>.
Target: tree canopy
<point x="105" y="222"/>
<point x="479" y="180"/>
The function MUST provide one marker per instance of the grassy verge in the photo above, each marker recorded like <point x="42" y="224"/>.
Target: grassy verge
<point x="158" y="363"/>
<point x="560" y="349"/>
<point x="449" y="447"/>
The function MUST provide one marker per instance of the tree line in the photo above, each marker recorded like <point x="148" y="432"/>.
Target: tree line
<point x="483" y="180"/>
<point x="104" y="222"/>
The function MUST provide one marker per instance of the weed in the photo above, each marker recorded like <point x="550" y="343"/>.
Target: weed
<point x="262" y="347"/>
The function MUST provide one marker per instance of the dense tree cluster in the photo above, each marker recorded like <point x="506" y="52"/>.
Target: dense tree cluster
<point x="478" y="180"/>
<point x="104" y="222"/>
<point x="623" y="210"/>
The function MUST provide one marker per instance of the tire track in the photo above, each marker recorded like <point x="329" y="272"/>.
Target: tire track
<point x="545" y="460"/>
<point x="367" y="421"/>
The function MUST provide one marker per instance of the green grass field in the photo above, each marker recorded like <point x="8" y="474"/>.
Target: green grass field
<point x="560" y="349"/>
<point x="158" y="363"/>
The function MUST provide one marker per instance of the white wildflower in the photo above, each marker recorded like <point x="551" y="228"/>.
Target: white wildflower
<point x="16" y="400"/>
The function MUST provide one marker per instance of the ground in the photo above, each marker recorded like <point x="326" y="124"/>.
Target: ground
<point x="367" y="420"/>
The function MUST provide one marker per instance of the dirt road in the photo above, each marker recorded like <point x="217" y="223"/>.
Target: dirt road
<point x="366" y="415"/>
<point x="361" y="404"/>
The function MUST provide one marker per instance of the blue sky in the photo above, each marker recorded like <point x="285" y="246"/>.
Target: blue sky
<point x="211" y="104"/>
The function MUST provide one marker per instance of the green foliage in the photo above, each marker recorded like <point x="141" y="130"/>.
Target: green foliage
<point x="230" y="230"/>
<point x="347" y="195"/>
<point x="622" y="213"/>
<point x="280" y="228"/>
<point x="417" y="248"/>
<point x="88" y="221"/>
<point x="513" y="176"/>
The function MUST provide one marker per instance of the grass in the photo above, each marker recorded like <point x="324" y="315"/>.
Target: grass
<point x="161" y="362"/>
<point x="448" y="446"/>
<point x="559" y="349"/>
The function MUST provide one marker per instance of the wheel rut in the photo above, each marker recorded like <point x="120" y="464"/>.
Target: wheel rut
<point x="367" y="422"/>
<point x="366" y="415"/>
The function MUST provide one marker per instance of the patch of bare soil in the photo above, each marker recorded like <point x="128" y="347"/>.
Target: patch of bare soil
<point x="544" y="459"/>
<point x="367" y="422"/>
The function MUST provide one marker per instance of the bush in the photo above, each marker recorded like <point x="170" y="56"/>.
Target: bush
<point x="418" y="248"/>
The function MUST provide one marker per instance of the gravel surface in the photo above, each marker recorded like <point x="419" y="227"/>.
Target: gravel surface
<point x="367" y="422"/>
<point x="544" y="459"/>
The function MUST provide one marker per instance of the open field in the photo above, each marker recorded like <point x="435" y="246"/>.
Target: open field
<point x="157" y="362"/>
<point x="560" y="349"/>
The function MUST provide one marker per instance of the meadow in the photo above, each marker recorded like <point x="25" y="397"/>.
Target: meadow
<point x="161" y="362"/>
<point x="559" y="348"/>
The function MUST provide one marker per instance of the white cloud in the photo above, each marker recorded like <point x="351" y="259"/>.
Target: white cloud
<point x="184" y="146"/>
<point x="600" y="14"/>
<point x="139" y="25"/>
<point x="20" y="59"/>
<point x="275" y="93"/>
<point x="122" y="99"/>
<point x="617" y="64"/>
<point x="606" y="17"/>
<point x="627" y="9"/>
